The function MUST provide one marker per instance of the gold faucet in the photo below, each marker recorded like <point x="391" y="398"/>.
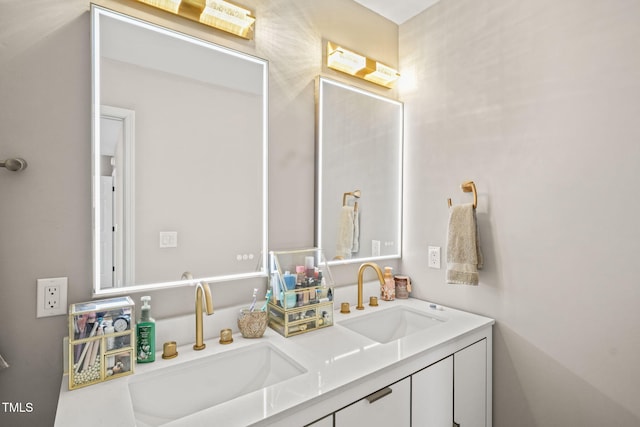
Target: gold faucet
<point x="202" y="288"/>
<point x="373" y="265"/>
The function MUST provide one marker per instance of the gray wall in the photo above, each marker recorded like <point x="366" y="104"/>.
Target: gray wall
<point x="45" y="227"/>
<point x="181" y="179"/>
<point x="538" y="102"/>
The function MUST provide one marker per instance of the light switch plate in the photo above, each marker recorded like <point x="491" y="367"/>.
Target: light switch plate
<point x="168" y="239"/>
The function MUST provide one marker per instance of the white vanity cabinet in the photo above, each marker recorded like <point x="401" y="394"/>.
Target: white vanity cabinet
<point x="453" y="391"/>
<point x="450" y="392"/>
<point x="432" y="395"/>
<point x="470" y="386"/>
<point x="390" y="406"/>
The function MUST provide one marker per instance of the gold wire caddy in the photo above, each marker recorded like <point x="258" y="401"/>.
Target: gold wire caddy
<point x="101" y="341"/>
<point x="302" y="292"/>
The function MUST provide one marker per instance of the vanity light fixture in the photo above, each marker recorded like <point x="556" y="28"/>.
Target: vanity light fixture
<point x="383" y="75"/>
<point x="218" y="14"/>
<point x="344" y="60"/>
<point x="349" y="62"/>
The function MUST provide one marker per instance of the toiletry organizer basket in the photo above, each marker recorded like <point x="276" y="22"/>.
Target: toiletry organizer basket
<point x="302" y="292"/>
<point x="101" y="341"/>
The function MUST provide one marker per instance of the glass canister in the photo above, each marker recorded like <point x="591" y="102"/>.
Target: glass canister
<point x="403" y="286"/>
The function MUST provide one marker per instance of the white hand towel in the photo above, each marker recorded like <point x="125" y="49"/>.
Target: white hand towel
<point x="356" y="231"/>
<point x="345" y="233"/>
<point x="464" y="256"/>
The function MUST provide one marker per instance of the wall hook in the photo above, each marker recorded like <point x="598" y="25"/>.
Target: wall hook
<point x="14" y="165"/>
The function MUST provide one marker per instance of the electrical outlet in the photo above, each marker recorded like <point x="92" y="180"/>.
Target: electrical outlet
<point x="51" y="297"/>
<point x="434" y="256"/>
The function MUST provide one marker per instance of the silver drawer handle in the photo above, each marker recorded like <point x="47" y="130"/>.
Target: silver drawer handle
<point x="379" y="394"/>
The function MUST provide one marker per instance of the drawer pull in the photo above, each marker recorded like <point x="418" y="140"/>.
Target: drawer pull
<point x="379" y="394"/>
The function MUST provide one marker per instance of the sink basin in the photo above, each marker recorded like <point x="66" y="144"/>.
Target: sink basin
<point x="168" y="394"/>
<point x="391" y="324"/>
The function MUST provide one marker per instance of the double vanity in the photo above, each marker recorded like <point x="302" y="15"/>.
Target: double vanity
<point x="404" y="362"/>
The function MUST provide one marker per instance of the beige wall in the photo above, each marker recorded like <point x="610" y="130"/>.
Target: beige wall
<point x="45" y="118"/>
<point x="538" y="102"/>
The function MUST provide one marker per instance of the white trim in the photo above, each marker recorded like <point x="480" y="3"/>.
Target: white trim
<point x="127" y="230"/>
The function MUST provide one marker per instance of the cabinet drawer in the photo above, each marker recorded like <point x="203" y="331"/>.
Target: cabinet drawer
<point x="389" y="406"/>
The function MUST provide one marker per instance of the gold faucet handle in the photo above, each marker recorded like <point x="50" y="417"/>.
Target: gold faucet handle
<point x="169" y="350"/>
<point x="226" y="336"/>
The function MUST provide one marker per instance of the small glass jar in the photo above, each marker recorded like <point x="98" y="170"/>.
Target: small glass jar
<point x="403" y="286"/>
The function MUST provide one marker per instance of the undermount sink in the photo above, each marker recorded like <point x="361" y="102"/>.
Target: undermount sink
<point x="171" y="393"/>
<point x="391" y="324"/>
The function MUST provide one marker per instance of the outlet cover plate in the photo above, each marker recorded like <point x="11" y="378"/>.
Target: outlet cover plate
<point x="434" y="256"/>
<point x="375" y="248"/>
<point x="51" y="297"/>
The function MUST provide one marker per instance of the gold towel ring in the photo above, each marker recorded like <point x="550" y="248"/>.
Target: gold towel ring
<point x="468" y="187"/>
<point x="356" y="194"/>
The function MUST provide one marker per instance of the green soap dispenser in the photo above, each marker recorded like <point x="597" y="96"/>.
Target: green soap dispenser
<point x="146" y="334"/>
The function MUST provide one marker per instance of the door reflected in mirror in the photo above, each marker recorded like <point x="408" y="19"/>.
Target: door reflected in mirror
<point x="359" y="174"/>
<point x="179" y="158"/>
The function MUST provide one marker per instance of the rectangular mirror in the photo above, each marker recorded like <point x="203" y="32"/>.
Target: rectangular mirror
<point x="179" y="158"/>
<point x="359" y="174"/>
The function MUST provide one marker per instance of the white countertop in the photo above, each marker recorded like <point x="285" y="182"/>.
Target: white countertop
<point x="341" y="366"/>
